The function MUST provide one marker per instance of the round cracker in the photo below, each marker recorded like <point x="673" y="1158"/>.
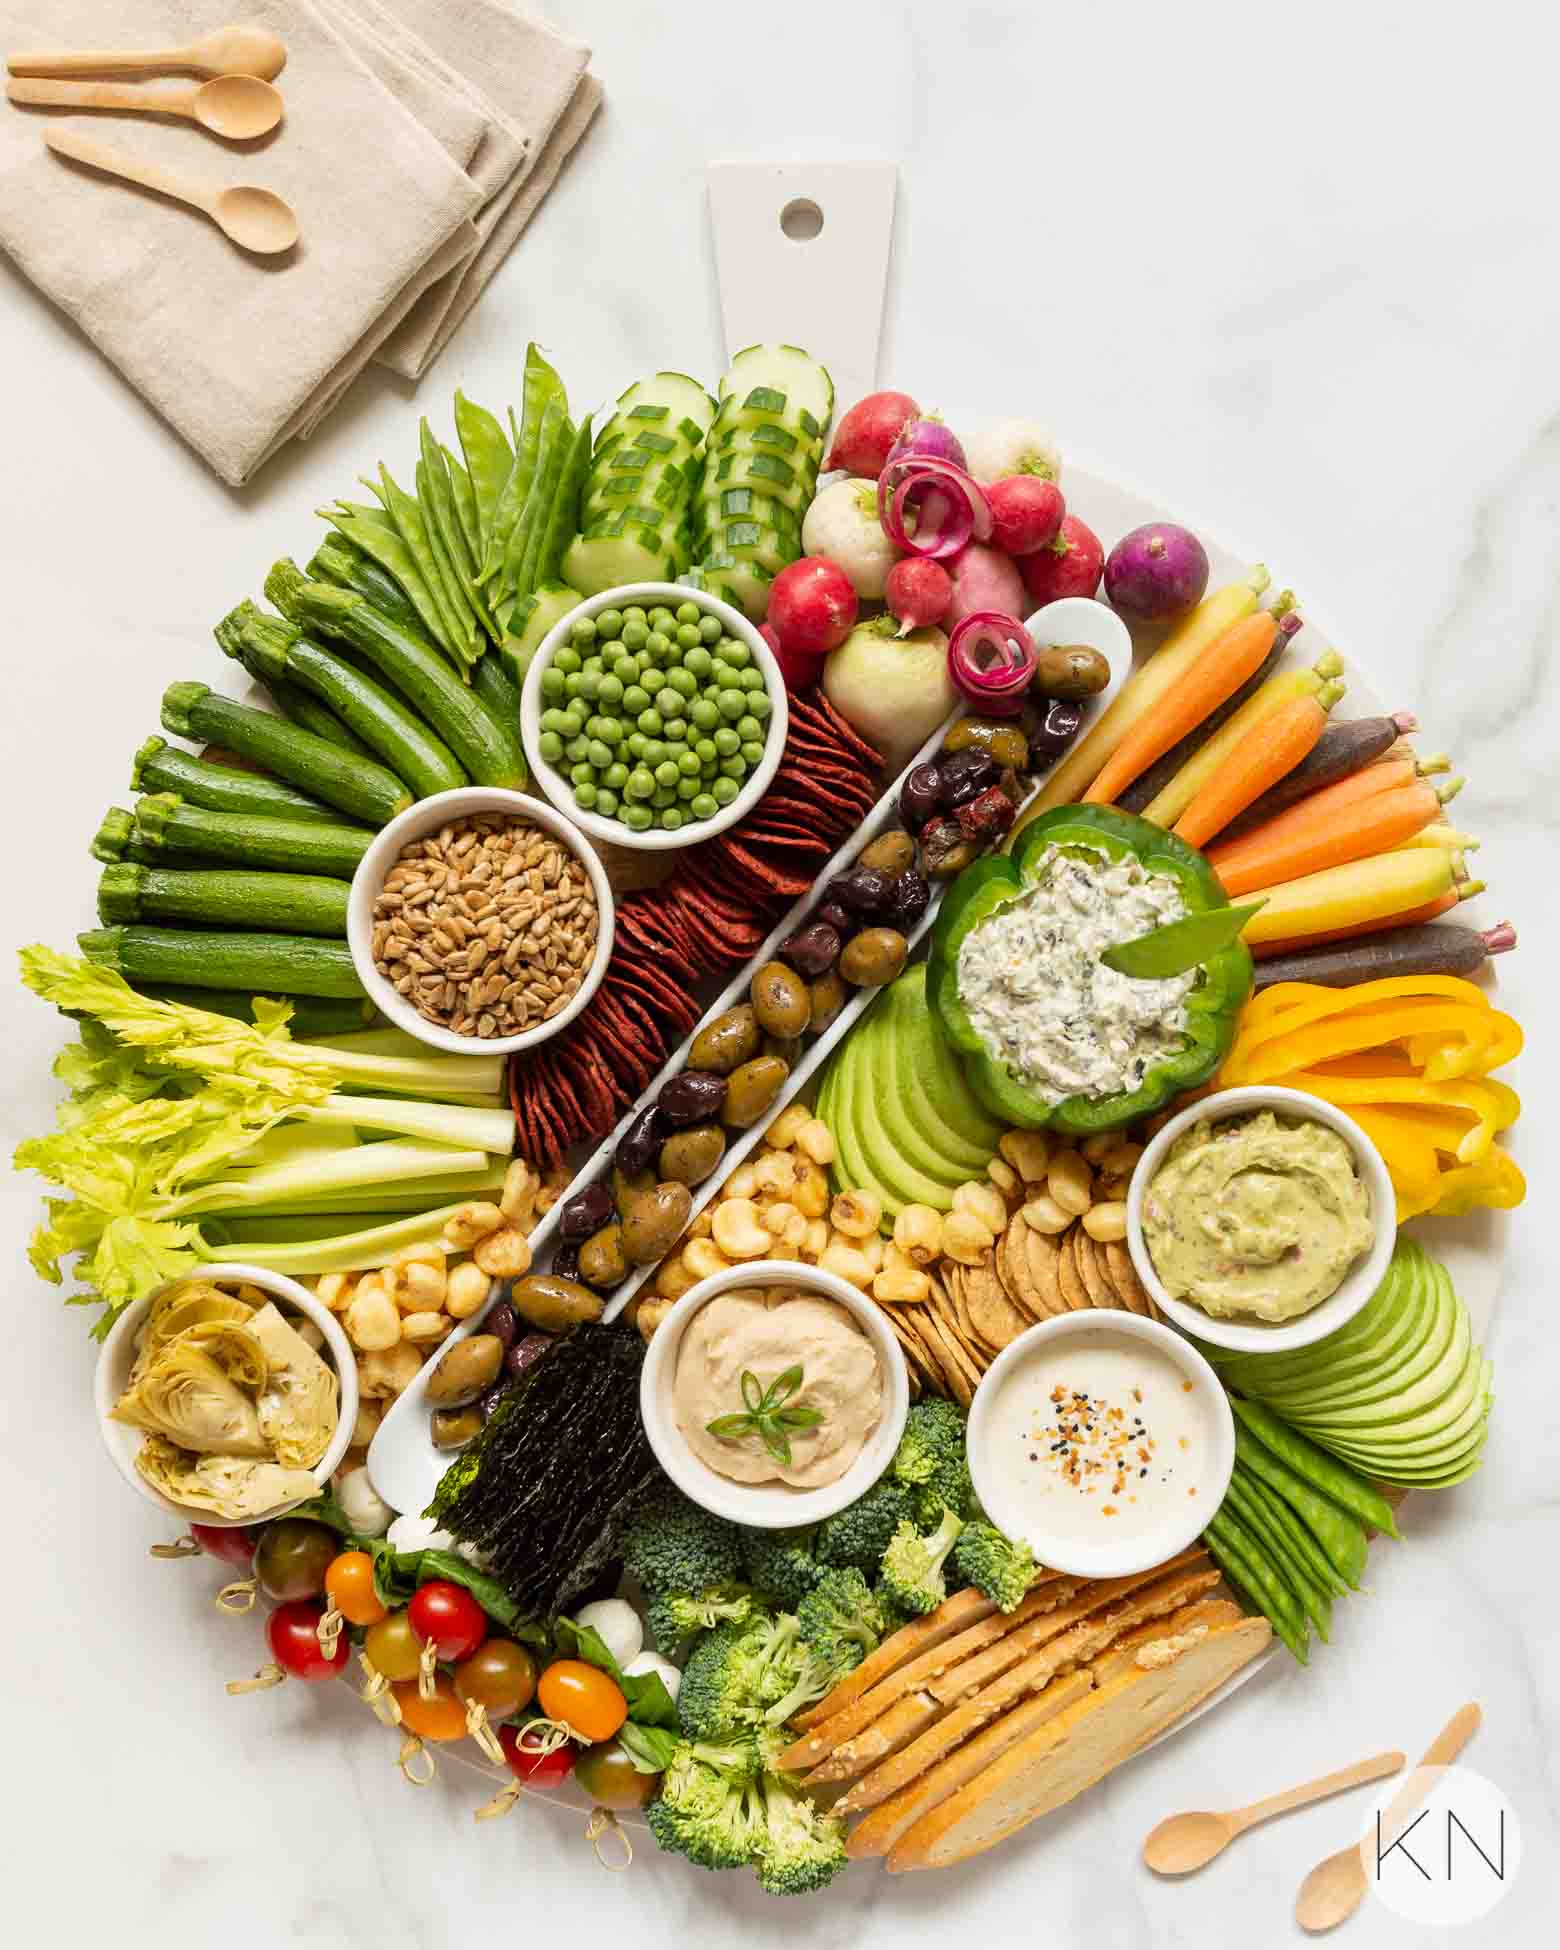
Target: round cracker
<point x="995" y="1318"/>
<point x="1074" y="1292"/>
<point x="1091" y="1267"/>
<point x="1043" y="1253"/>
<point x="963" y="1380"/>
<point x="1123" y="1275"/>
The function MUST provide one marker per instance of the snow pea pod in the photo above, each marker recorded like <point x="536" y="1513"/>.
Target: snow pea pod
<point x="540" y="387"/>
<point x="465" y="508"/>
<point x="446" y="534"/>
<point x="1340" y="1534"/>
<point x="1317" y="1564"/>
<point x="489" y="461"/>
<point x="525" y="544"/>
<point x="563" y="519"/>
<point x="456" y="632"/>
<point x="1276" y="1540"/>
<point x="1243" y="1562"/>
<point x="372" y="531"/>
<point x="1326" y="1473"/>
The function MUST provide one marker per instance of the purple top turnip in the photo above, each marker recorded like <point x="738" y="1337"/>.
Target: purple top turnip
<point x="1156" y="572"/>
<point x="926" y="438"/>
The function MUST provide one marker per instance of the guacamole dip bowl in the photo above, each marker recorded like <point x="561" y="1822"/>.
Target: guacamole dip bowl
<point x="1359" y="1281"/>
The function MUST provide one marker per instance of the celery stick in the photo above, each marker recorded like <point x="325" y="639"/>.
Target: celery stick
<point x="345" y="1252"/>
<point x="439" y="1123"/>
<point x="352" y="1165"/>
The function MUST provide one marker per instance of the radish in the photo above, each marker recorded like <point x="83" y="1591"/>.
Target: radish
<point x="812" y="606"/>
<point x="918" y="592"/>
<point x="1026" y="512"/>
<point x="842" y="523"/>
<point x="984" y="579"/>
<point x="1014" y="447"/>
<point x="926" y="438"/>
<point x="1156" y="572"/>
<point x="1069" y="566"/>
<point x="863" y="437"/>
<point x="799" y="671"/>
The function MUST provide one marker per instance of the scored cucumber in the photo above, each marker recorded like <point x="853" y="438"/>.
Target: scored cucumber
<point x="636" y="510"/>
<point x="781" y="382"/>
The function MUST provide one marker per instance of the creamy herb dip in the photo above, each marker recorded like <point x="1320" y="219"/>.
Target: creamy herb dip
<point x="1257" y="1216"/>
<point x="1039" y="996"/>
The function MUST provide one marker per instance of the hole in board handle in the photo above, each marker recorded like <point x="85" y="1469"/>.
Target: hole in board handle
<point x="801" y="220"/>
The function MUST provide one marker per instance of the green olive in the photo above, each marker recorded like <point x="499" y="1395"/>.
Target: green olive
<point x="601" y="1257"/>
<point x="894" y="852"/>
<point x="551" y="1303"/>
<point x="655" y="1222"/>
<point x="688" y="1157"/>
<point x="828" y="997"/>
<point x="453" y="1428"/>
<point x="779" y="998"/>
<point x="465" y="1370"/>
<point x="1069" y="670"/>
<point x="1004" y="741"/>
<point x="873" y="957"/>
<point x="731" y="1039"/>
<point x="627" y="1185"/>
<point x="787" y="1048"/>
<point x="752" y="1089"/>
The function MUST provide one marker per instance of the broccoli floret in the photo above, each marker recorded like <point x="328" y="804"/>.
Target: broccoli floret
<point x="932" y="1464"/>
<point x="782" y="1563"/>
<point x="841" y="1618"/>
<point x="800" y="1848"/>
<point x="859" y="1533"/>
<point x="673" y="1545"/>
<point x="997" y="1567"/>
<point x="709" y="1807"/>
<point x="913" y="1564"/>
<point x="674" y="1616"/>
<point x="720" y="1685"/>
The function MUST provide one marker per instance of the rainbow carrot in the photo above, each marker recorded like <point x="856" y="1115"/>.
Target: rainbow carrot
<point x="1376" y="890"/>
<point x="1256" y="760"/>
<point x="1411" y="917"/>
<point x="1375" y="825"/>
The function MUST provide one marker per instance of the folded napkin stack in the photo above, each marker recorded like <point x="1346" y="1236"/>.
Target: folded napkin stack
<point x="418" y="140"/>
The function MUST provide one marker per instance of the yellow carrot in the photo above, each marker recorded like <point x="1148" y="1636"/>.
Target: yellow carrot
<point x="1442" y="835"/>
<point x="1143" y="690"/>
<point x="1167" y="806"/>
<point x="1342" y="897"/>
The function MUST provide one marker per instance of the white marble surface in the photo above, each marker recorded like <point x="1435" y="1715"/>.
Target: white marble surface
<point x="1294" y="271"/>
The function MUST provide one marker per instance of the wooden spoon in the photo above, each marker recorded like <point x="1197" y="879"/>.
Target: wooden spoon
<point x="1335" y="1888"/>
<point x="239" y="106"/>
<point x="258" y="219"/>
<point x="226" y="50"/>
<point x="1191" y="1841"/>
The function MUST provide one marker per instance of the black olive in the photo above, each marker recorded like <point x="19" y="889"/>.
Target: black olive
<point x="490" y="1400"/>
<point x="834" y="916"/>
<point x="965" y="774"/>
<point x="863" y="891"/>
<point x="566" y="1260"/>
<point x="637" y="1147"/>
<point x="920" y="795"/>
<point x="502" y="1320"/>
<point x="1057" y="728"/>
<point x="585" y="1213"/>
<point x="695" y="1097"/>
<point x="812" y="950"/>
<point x="527" y="1351"/>
<point x="909" y="901"/>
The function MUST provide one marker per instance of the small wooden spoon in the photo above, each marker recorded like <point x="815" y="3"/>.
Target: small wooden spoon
<point x="1336" y="1887"/>
<point x="226" y="50"/>
<point x="1191" y="1841"/>
<point x="239" y="106"/>
<point x="258" y="219"/>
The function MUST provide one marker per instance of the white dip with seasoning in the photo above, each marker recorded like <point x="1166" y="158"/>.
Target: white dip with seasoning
<point x="1039" y="996"/>
<point x="1096" y="1439"/>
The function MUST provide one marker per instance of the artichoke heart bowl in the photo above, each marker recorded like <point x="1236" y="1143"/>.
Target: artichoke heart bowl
<point x="198" y="1401"/>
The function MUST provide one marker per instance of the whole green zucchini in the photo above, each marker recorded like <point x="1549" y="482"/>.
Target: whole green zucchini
<point x="282" y="654"/>
<point x="299" y="708"/>
<point x="161" y="767"/>
<point x="346" y="565"/>
<point x="491" y="681"/>
<point x="292" y="903"/>
<point x="490" y="751"/>
<point x="293" y="963"/>
<point x="358" y="786"/>
<point x="312" y="1015"/>
<point x="165" y="825"/>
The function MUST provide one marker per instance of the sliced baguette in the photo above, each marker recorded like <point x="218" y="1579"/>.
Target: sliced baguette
<point x="955" y="1614"/>
<point x="1167" y="1674"/>
<point x="887" y="1734"/>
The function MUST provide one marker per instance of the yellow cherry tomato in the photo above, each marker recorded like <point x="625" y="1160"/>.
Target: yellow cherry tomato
<point x="392" y="1647"/>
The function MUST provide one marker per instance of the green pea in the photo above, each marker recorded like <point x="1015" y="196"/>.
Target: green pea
<point x="705" y="713"/>
<point x="552" y="683"/>
<point x="592" y="663"/>
<point x="590" y="685"/>
<point x="585" y="794"/>
<point x="635" y="700"/>
<point x="606" y="802"/>
<point x="688" y="764"/>
<point x="689" y="613"/>
<point x="583" y="773"/>
<point x="634" y="613"/>
<point x="566" y="659"/>
<point x="752" y="752"/>
<point x="748" y="727"/>
<point x="664" y="795"/>
<point x="734" y="768"/>
<point x="666" y="773"/>
<point x="725" y="790"/>
<point x="653" y="753"/>
<point x="610" y="689"/>
<point x="750" y="680"/>
<point x="615" y="777"/>
<point x="661" y="618"/>
<point x="687" y="790"/>
<point x="635" y="634"/>
<point x="698" y="663"/>
<point x="709" y="770"/>
<point x="637" y="818"/>
<point x="710" y="629"/>
<point x="677" y="730"/>
<point x="720" y="674"/>
<point x="688" y="635"/>
<point x="611" y="732"/>
<point x="552" y="721"/>
<point x="573" y="721"/>
<point x="649" y="722"/>
<point x="572" y="683"/>
<point x="706" y="751"/>
<point x="683" y="682"/>
<point x="625" y="668"/>
<point x="658" y="643"/>
<point x="575" y="749"/>
<point x="733" y="705"/>
<point x="759" y="706"/>
<point x="641" y="783"/>
<point x="736" y="653"/>
<point x="726" y="742"/>
<point x="636" y="744"/>
<point x="671" y="819"/>
<point x="600" y="753"/>
<point x="668" y="702"/>
<point x="704" y="805"/>
<point x="609" y="623"/>
<point x="550" y="746"/>
<point x="583" y="630"/>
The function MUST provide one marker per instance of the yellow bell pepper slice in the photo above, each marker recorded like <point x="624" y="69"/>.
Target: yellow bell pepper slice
<point x="1285" y="998"/>
<point x="1441" y="1058"/>
<point x="1409" y="1156"/>
<point x="1367" y="1029"/>
<point x="1481" y="1099"/>
<point x="1495" y="1180"/>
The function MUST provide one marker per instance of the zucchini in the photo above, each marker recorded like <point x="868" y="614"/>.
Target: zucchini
<point x="295" y="964"/>
<point x="381" y="720"/>
<point x="488" y="749"/>
<point x="493" y="680"/>
<point x="312" y="1015"/>
<point x="342" y="562"/>
<point x="165" y="826"/>
<point x="297" y="707"/>
<point x="292" y="903"/>
<point x="357" y="785"/>
<point x="161" y="767"/>
<point x="114" y="835"/>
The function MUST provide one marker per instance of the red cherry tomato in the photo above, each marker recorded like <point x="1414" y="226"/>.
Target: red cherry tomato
<point x="234" y="1544"/>
<point x="536" y="1770"/>
<point x="292" y="1632"/>
<point x="448" y="1619"/>
<point x="584" y="1697"/>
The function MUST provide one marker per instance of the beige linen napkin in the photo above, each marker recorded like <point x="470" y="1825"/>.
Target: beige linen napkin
<point x="229" y="348"/>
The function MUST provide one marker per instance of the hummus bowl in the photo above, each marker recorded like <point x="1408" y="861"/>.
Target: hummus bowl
<point x="771" y="1505"/>
<point x="1358" y="1283"/>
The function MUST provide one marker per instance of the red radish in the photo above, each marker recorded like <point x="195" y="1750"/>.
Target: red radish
<point x="918" y="591"/>
<point x="799" y="672"/>
<point x="1026" y="513"/>
<point x="1070" y="566"/>
<point x="862" y="439"/>
<point x="812" y="606"/>
<point x="984" y="579"/>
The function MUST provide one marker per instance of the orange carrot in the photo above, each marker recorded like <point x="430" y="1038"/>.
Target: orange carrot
<point x="1410" y="917"/>
<point x="1275" y="746"/>
<point x="1221" y="669"/>
<point x="1374" y="826"/>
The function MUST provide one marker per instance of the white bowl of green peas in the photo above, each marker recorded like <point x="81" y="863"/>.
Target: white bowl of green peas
<point x="653" y="715"/>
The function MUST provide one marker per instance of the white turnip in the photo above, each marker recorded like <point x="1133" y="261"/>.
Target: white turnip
<point x="984" y="579"/>
<point x="1014" y="447"/>
<point x="1026" y="512"/>
<point x="842" y="523"/>
<point x="918" y="592"/>
<point x="863" y="437"/>
<point x="1070" y="566"/>
<point x="811" y="606"/>
<point x="895" y="690"/>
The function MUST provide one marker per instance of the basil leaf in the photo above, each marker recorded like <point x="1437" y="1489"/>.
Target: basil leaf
<point x="1183" y="944"/>
<point x="649" y="1703"/>
<point x="649" y="1748"/>
<point x="325" y="1509"/>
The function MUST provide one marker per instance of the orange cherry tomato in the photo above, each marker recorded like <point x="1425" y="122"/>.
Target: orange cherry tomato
<point x="441" y="1718"/>
<point x="392" y="1647"/>
<point x="349" y="1585"/>
<point x="583" y="1697"/>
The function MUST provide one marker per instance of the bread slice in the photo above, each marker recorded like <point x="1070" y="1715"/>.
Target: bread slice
<point x="1167" y="1674"/>
<point x="887" y="1734"/>
<point x="955" y="1614"/>
<point x="1071" y="1648"/>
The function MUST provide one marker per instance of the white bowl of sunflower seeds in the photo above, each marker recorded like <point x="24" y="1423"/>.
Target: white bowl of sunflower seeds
<point x="480" y="921"/>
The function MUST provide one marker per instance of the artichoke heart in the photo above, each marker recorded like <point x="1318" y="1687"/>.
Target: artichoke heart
<point x="187" y="1394"/>
<point x="298" y="1407"/>
<point x="223" y="1486"/>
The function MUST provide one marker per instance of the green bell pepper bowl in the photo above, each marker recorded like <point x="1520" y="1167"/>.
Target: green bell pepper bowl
<point x="1212" y="1007"/>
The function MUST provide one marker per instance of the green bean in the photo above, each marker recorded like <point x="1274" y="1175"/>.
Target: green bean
<point x="525" y="541"/>
<point x="1276" y="1539"/>
<point x="465" y="508"/>
<point x="489" y="458"/>
<point x="1340" y="1535"/>
<point x="1317" y="1564"/>
<point x="1326" y="1473"/>
<point x="1245" y="1564"/>
<point x="540" y="387"/>
<point x="563" y="519"/>
<point x="375" y="534"/>
<point x="458" y="632"/>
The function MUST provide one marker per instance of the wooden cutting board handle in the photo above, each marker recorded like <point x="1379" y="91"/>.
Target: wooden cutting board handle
<point x="801" y="256"/>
